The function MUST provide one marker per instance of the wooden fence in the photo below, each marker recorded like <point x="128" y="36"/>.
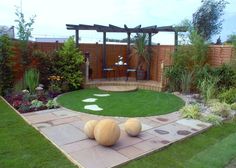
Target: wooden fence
<point x="161" y="56"/>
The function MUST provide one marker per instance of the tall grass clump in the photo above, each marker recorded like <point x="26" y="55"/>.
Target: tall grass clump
<point x="31" y="79"/>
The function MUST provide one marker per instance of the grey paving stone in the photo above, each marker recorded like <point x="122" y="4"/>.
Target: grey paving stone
<point x="196" y="124"/>
<point x="171" y="130"/>
<point x="99" y="157"/>
<point x="79" y="145"/>
<point x="64" y="120"/>
<point x="44" y="117"/>
<point x="151" y="144"/>
<point x="131" y="152"/>
<point x="65" y="113"/>
<point x="144" y="135"/>
<point x="125" y="141"/>
<point x="63" y="134"/>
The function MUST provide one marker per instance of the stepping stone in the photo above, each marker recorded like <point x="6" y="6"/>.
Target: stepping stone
<point x="162" y="132"/>
<point x="89" y="100"/>
<point x="93" y="107"/>
<point x="101" y="95"/>
<point x="183" y="132"/>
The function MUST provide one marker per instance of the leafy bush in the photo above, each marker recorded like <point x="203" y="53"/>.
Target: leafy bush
<point x="190" y="111"/>
<point x="208" y="88"/>
<point x="221" y="109"/>
<point x="6" y="74"/>
<point x="31" y="78"/>
<point x="51" y="104"/>
<point x="69" y="63"/>
<point x="233" y="106"/>
<point x="228" y="96"/>
<point x="226" y="75"/>
<point x="213" y="119"/>
<point x="36" y="104"/>
<point x="187" y="58"/>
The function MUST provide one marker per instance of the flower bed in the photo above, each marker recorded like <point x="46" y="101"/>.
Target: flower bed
<point x="25" y="102"/>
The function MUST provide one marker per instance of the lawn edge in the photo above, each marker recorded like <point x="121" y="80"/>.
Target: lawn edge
<point x="65" y="154"/>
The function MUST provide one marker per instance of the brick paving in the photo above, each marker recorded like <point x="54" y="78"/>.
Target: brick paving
<point x="64" y="128"/>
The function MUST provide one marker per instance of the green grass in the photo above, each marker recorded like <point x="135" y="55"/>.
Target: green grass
<point x="127" y="104"/>
<point x="213" y="149"/>
<point x="21" y="146"/>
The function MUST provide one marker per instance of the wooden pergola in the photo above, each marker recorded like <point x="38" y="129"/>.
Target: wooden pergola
<point x="150" y="30"/>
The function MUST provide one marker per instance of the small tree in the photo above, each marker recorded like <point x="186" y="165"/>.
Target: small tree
<point x="6" y="75"/>
<point x="207" y="19"/>
<point x="24" y="33"/>
<point x="69" y="63"/>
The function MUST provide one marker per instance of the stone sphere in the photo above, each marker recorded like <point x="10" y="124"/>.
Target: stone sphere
<point x="89" y="128"/>
<point x="107" y="132"/>
<point x="133" y="127"/>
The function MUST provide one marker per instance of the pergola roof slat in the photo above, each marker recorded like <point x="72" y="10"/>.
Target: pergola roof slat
<point x="137" y="29"/>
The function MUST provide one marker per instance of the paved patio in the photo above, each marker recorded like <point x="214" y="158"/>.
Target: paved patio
<point x="64" y="128"/>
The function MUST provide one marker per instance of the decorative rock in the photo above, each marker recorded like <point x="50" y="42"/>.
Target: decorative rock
<point x="133" y="126"/>
<point x="107" y="132"/>
<point x="89" y="128"/>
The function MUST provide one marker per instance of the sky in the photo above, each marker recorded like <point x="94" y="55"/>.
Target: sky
<point x="53" y="15"/>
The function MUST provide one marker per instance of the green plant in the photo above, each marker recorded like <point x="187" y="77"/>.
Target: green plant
<point x="228" y="96"/>
<point x="226" y="75"/>
<point x="233" y="106"/>
<point x="186" y="79"/>
<point x="221" y="109"/>
<point x="6" y="63"/>
<point x="31" y="78"/>
<point x="173" y="74"/>
<point x="208" y="88"/>
<point x="189" y="59"/>
<point x="213" y="119"/>
<point x="51" y="104"/>
<point x="190" y="111"/>
<point x="69" y="63"/>
<point x="36" y="104"/>
<point x="24" y="33"/>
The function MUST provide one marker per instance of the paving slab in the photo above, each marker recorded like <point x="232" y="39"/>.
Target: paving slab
<point x="99" y="157"/>
<point x="63" y="134"/>
<point x="64" y="120"/>
<point x="79" y="145"/>
<point x="195" y="124"/>
<point x="131" y="152"/>
<point x="42" y="117"/>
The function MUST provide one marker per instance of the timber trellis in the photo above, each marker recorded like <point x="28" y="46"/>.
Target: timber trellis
<point x="151" y="30"/>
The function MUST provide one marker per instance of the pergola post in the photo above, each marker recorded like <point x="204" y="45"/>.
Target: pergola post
<point x="128" y="49"/>
<point x="149" y="52"/>
<point x="104" y="55"/>
<point x="77" y="38"/>
<point x="176" y="39"/>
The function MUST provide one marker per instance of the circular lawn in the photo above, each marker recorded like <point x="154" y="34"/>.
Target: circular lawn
<point x="124" y="104"/>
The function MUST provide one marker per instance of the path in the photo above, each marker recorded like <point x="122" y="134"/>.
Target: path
<point x="64" y="128"/>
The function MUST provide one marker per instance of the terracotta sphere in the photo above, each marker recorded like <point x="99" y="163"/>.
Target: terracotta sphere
<point x="107" y="132"/>
<point x="133" y="127"/>
<point x="89" y="128"/>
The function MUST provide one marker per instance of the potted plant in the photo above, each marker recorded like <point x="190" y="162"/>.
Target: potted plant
<point x="144" y="55"/>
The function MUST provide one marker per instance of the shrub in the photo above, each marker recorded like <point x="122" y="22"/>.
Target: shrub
<point x="173" y="74"/>
<point x="31" y="78"/>
<point x="221" y="109"/>
<point x="6" y="74"/>
<point x="233" y="106"/>
<point x="190" y="111"/>
<point x="228" y="96"/>
<point x="213" y="119"/>
<point x="69" y="63"/>
<point x="51" y="104"/>
<point x="36" y="104"/>
<point x="226" y="75"/>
